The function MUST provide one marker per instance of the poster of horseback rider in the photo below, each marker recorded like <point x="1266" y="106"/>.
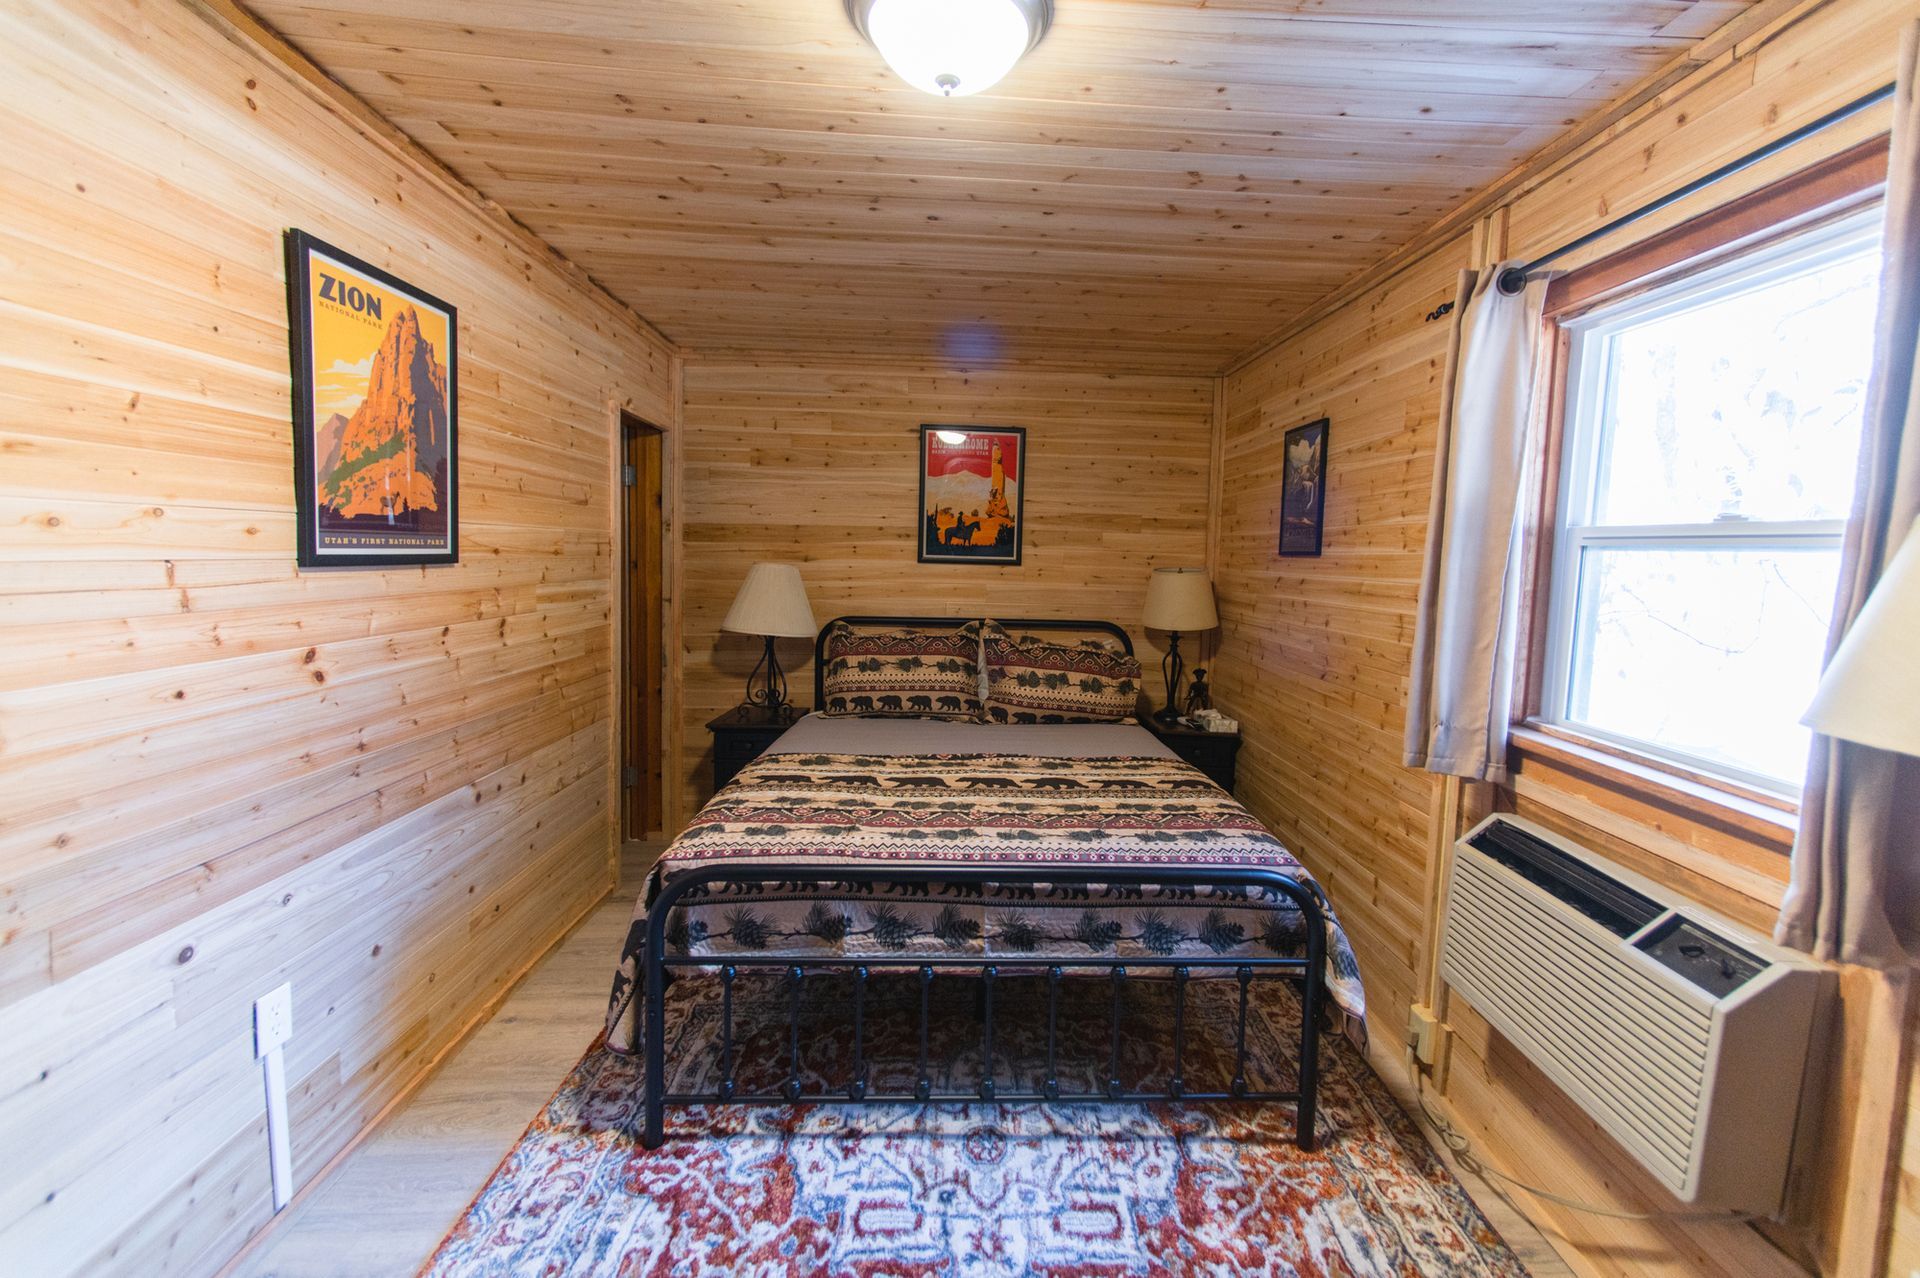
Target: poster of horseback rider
<point x="972" y="481"/>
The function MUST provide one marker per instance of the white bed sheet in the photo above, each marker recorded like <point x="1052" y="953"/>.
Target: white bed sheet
<point x="850" y="734"/>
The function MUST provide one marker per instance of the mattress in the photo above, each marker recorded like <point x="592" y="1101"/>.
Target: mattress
<point x="1066" y="795"/>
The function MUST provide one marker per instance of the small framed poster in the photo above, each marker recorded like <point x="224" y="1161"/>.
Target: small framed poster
<point x="1303" y="488"/>
<point x="375" y="413"/>
<point x="973" y="482"/>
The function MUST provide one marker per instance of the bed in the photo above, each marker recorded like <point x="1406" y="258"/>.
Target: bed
<point x="1068" y="852"/>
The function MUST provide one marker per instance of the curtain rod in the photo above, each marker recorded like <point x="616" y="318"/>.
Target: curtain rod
<point x="1514" y="278"/>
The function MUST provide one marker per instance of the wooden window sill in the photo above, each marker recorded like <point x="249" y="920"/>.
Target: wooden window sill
<point x="1706" y="832"/>
<point x="1770" y="817"/>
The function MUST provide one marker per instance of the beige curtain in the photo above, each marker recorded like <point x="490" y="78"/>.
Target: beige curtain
<point x="1460" y="702"/>
<point x="1855" y="890"/>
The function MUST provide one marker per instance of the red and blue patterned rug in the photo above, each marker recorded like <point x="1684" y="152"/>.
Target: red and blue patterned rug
<point x="974" y="1191"/>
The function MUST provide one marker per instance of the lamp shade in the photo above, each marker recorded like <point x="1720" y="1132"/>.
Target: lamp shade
<point x="1871" y="690"/>
<point x="772" y="601"/>
<point x="1180" y="599"/>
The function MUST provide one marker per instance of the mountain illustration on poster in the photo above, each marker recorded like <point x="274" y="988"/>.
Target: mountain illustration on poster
<point x="375" y="412"/>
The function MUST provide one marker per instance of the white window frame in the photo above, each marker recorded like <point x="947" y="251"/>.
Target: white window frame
<point x="1584" y="419"/>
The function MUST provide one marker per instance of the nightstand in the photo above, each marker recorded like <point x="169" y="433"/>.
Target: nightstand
<point x="742" y="734"/>
<point x="1211" y="752"/>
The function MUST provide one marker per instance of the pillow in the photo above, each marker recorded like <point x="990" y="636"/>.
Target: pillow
<point x="1030" y="680"/>
<point x="909" y="674"/>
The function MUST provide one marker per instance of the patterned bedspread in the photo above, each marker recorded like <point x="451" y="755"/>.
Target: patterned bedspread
<point x="792" y="810"/>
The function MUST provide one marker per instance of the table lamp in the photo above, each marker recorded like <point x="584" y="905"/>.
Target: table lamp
<point x="1871" y="690"/>
<point x="772" y="603"/>
<point x="1178" y="600"/>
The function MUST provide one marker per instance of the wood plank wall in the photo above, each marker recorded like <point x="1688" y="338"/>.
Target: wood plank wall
<point x="218" y="773"/>
<point x="817" y="465"/>
<point x="1903" y="1258"/>
<point x="1316" y="652"/>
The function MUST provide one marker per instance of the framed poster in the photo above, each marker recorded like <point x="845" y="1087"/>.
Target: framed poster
<point x="973" y="482"/>
<point x="375" y="413"/>
<point x="1303" y="488"/>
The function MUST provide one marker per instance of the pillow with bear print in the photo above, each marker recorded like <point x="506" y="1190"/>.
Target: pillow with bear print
<point x="914" y="674"/>
<point x="1030" y="680"/>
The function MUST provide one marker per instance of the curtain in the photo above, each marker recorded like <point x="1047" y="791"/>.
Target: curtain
<point x="1854" y="894"/>
<point x="1460" y="702"/>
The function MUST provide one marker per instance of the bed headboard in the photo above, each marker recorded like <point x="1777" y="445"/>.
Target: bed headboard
<point x="1107" y="628"/>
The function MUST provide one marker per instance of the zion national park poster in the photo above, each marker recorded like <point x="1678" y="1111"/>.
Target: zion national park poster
<point x="972" y="482"/>
<point x="375" y="467"/>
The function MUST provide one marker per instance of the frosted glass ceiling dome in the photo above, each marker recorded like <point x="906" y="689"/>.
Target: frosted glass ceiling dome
<point x="951" y="48"/>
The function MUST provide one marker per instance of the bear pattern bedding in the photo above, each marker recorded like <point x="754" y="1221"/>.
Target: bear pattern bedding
<point x="821" y="810"/>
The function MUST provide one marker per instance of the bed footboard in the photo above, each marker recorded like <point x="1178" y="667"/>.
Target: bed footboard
<point x="1309" y="970"/>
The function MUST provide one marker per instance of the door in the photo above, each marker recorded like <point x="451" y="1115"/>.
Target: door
<point x="643" y="661"/>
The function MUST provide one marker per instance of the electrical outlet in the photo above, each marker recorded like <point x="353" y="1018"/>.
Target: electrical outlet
<point x="1423" y="1033"/>
<point x="272" y="1019"/>
<point x="272" y="1027"/>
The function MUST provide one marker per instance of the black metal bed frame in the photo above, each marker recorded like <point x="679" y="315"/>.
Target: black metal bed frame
<point x="656" y="972"/>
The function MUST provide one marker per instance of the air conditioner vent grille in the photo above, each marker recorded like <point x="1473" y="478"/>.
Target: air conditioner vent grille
<point x="1681" y="1035"/>
<point x="1618" y="908"/>
<point x="1631" y="1051"/>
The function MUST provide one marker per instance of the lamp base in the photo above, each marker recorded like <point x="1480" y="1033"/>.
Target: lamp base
<point x="1172" y="669"/>
<point x="771" y="693"/>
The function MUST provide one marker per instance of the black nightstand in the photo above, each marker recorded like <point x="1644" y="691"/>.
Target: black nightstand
<point x="742" y="733"/>
<point x="1211" y="752"/>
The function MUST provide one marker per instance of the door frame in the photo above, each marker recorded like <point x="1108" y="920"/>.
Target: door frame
<point x="642" y="807"/>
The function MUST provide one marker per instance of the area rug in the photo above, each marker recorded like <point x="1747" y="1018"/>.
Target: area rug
<point x="979" y="1190"/>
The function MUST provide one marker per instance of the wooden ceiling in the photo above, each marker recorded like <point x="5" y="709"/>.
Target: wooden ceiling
<point x="1158" y="186"/>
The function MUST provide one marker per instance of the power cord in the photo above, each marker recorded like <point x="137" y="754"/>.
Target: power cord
<point x="1462" y="1151"/>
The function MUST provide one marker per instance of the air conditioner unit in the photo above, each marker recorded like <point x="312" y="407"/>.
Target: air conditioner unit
<point x="1684" y="1036"/>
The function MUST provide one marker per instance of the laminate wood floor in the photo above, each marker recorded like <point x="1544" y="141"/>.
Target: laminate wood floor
<point x="385" y="1210"/>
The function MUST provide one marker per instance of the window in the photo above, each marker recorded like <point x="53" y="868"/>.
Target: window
<point x="1711" y="430"/>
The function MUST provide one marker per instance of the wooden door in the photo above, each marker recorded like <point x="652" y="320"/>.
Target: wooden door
<point x="643" y="662"/>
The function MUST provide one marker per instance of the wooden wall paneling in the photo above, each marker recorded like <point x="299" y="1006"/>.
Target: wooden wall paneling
<point x="754" y="174"/>
<point x="1903" y="1248"/>
<point x="1876" y="1207"/>
<point x="1315" y="651"/>
<point x="815" y="464"/>
<point x="216" y="771"/>
<point x="1315" y="655"/>
<point x="1741" y="30"/>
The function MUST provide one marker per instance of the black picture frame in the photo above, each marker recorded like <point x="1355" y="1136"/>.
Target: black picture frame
<point x="1303" y="489"/>
<point x="934" y="541"/>
<point x="378" y="548"/>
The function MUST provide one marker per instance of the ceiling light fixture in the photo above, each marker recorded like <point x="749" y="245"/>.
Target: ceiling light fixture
<point x="951" y="48"/>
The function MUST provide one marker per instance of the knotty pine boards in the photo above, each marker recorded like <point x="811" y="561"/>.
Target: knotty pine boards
<point x="1156" y="187"/>
<point x="1316" y="651"/>
<point x="216" y="772"/>
<point x="816" y="464"/>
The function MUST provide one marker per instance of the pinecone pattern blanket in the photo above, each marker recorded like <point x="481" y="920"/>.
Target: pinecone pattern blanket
<point x="819" y="811"/>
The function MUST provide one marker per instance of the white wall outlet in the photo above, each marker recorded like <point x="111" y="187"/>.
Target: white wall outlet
<point x="1423" y="1033"/>
<point x="272" y="1027"/>
<point x="272" y="1020"/>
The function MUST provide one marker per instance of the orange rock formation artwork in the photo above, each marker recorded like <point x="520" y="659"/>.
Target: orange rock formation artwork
<point x="389" y="451"/>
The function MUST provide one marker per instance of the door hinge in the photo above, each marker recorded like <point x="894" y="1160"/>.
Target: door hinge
<point x="629" y="776"/>
<point x="629" y="477"/>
